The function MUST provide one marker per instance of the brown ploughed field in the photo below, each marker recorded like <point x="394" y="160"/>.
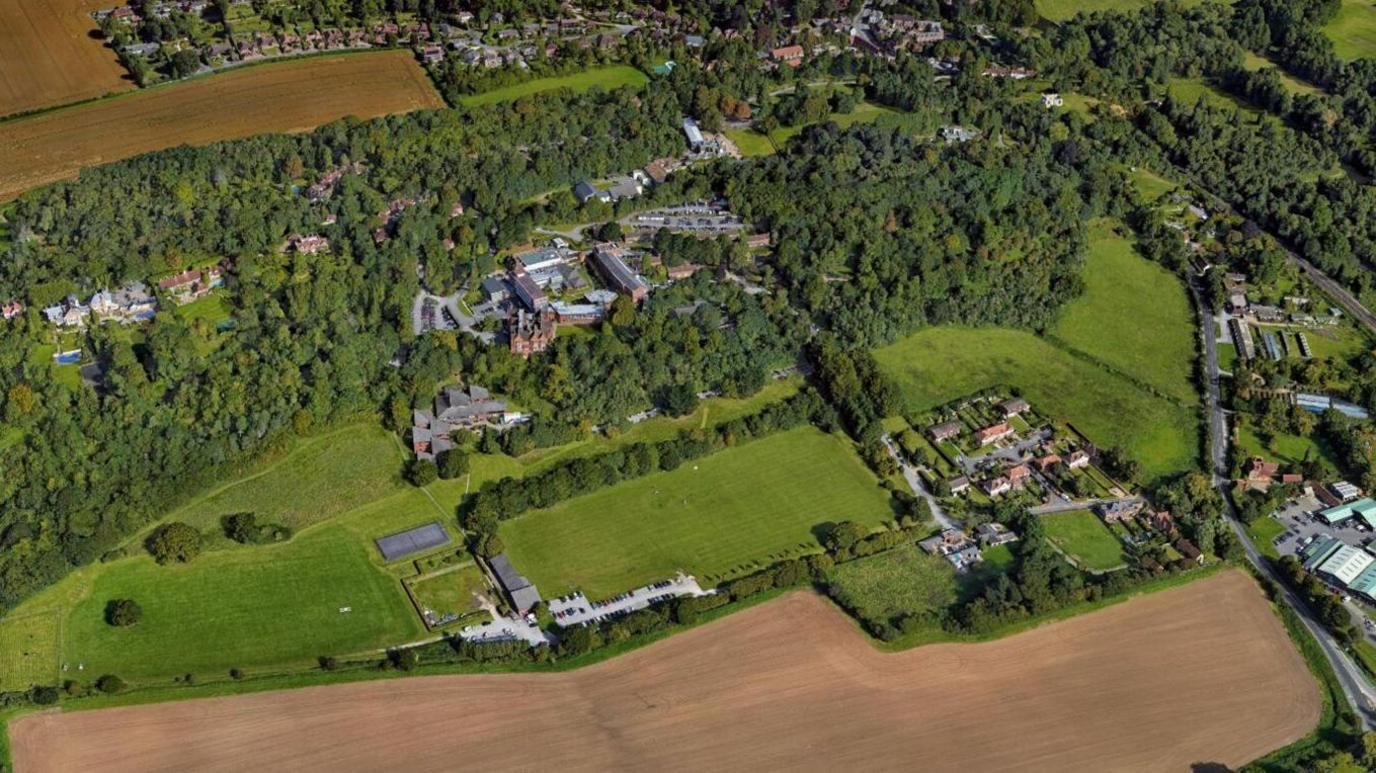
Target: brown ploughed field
<point x="289" y="96"/>
<point x="1200" y="673"/>
<point x="48" y="57"/>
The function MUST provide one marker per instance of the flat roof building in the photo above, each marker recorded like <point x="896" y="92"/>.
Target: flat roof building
<point x="1364" y="508"/>
<point x="611" y="261"/>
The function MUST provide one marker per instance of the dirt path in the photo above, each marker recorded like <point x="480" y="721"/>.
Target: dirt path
<point x="1202" y="673"/>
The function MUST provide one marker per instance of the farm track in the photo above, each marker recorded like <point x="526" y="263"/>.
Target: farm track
<point x="289" y="96"/>
<point x="1203" y="673"/>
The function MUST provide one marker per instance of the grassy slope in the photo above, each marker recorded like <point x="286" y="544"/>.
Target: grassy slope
<point x="611" y="77"/>
<point x="324" y="477"/>
<point x="937" y="365"/>
<point x="1353" y="30"/>
<point x="1083" y="536"/>
<point x="1294" y="85"/>
<point x="1133" y="315"/>
<point x="709" y="517"/>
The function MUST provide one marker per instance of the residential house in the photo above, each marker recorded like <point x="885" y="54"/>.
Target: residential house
<point x="307" y="245"/>
<point x="585" y="190"/>
<point x="12" y="309"/>
<point x="529" y="333"/>
<point x="757" y="241"/>
<point x="1013" y="407"/>
<point x="944" y="431"/>
<point x="953" y="133"/>
<point x="1191" y="553"/>
<point x="1119" y="510"/>
<point x="1018" y="475"/>
<point x="994" y="433"/>
<point x="131" y="303"/>
<point x="1161" y="521"/>
<point x="1052" y="99"/>
<point x="995" y="486"/>
<point x="959" y="484"/>
<point x="1077" y="459"/>
<point x="69" y="313"/>
<point x="192" y="284"/>
<point x="791" y="56"/>
<point x="991" y="534"/>
<point x="955" y="546"/>
<point x="696" y="141"/>
<point x="1047" y="463"/>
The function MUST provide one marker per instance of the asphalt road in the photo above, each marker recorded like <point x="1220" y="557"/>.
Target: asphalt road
<point x="1357" y="690"/>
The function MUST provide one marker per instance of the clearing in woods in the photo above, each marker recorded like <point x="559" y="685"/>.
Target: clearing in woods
<point x="292" y="96"/>
<point x="613" y="77"/>
<point x="1159" y="682"/>
<point x="1134" y="315"/>
<point x="711" y="517"/>
<point x="48" y="57"/>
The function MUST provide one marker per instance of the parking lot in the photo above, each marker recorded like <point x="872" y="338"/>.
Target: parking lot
<point x="576" y="609"/>
<point x="1302" y="527"/>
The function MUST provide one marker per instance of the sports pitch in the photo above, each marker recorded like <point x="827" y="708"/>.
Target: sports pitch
<point x="711" y="517"/>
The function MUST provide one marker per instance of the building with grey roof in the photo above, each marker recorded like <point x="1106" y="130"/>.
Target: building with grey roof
<point x="519" y="590"/>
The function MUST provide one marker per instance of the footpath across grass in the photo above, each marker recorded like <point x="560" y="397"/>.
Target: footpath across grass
<point x="1085" y="538"/>
<point x="937" y="365"/>
<point x="609" y="78"/>
<point x="711" y="517"/>
<point x="1134" y="316"/>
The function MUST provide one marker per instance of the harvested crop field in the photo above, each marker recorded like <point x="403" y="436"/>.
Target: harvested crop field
<point x="48" y="57"/>
<point x="287" y="96"/>
<point x="1157" y="683"/>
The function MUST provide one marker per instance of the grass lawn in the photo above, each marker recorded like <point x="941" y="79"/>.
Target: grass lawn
<point x="883" y="588"/>
<point x="1252" y="61"/>
<point x="1149" y="184"/>
<point x="323" y="477"/>
<point x="28" y="649"/>
<point x="752" y="143"/>
<point x="1290" y="449"/>
<point x="939" y="364"/>
<point x="609" y="78"/>
<point x="245" y="608"/>
<point x="1134" y="316"/>
<point x="1085" y="538"/>
<point x="712" y="517"/>
<point x="1353" y="30"/>
<point x="1263" y="530"/>
<point x="710" y="412"/>
<point x="451" y="591"/>
<point x="1189" y="91"/>
<point x="1060" y="10"/>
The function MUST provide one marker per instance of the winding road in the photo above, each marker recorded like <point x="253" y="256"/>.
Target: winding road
<point x="1358" y="691"/>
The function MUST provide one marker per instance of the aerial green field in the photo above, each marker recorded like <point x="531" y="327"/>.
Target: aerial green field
<point x="1353" y="30"/>
<point x="323" y="477"/>
<point x="752" y="143"/>
<point x="711" y="517"/>
<point x="1085" y="538"/>
<point x="887" y="587"/>
<point x="1061" y="10"/>
<point x="1134" y="316"/>
<point x="609" y="78"/>
<point x="451" y="591"/>
<point x="28" y="649"/>
<point x="1289" y="449"/>
<point x="1294" y="85"/>
<point x="710" y="412"/>
<point x="1149" y="184"/>
<point x="938" y="365"/>
<point x="247" y="608"/>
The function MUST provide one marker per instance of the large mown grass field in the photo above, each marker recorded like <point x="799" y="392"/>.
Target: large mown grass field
<point x="1085" y="538"/>
<point x="1353" y="30"/>
<point x="246" y="608"/>
<point x="609" y="78"/>
<point x="711" y="517"/>
<point x="1134" y="316"/>
<point x="940" y="364"/>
